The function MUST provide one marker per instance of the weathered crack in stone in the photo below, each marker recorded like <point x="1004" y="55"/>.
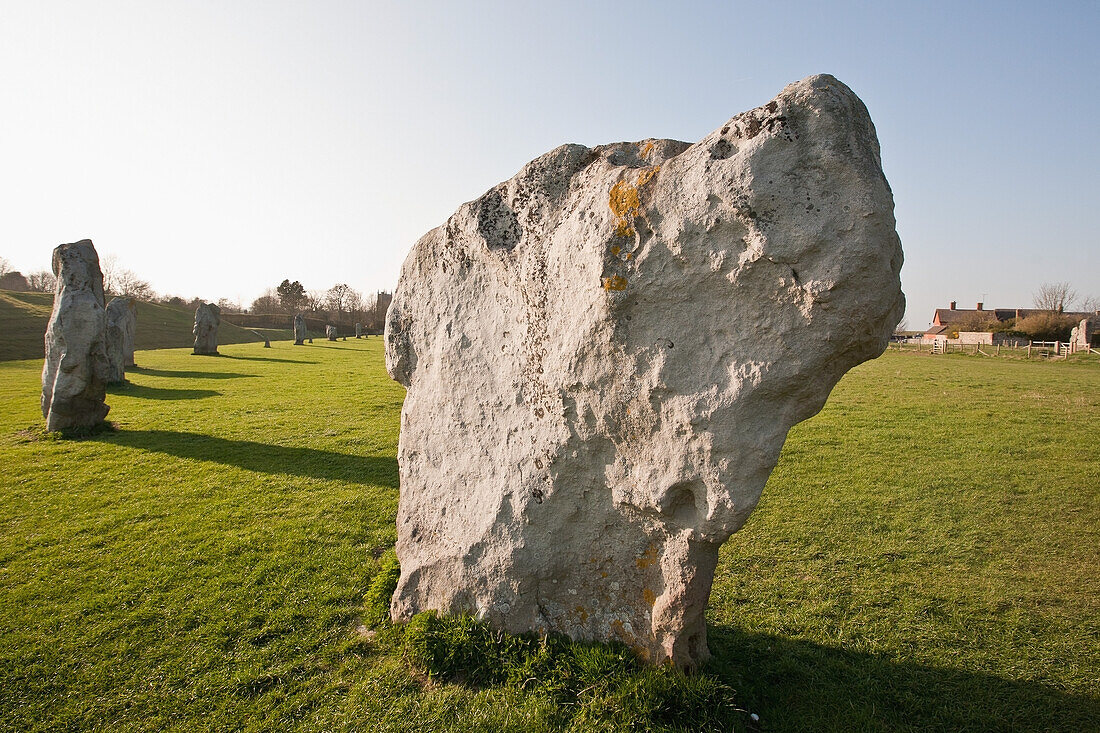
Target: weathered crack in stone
<point x="604" y="354"/>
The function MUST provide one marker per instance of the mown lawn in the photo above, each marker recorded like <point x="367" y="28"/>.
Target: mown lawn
<point x="925" y="557"/>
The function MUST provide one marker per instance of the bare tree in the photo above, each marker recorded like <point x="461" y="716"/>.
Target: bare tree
<point x="342" y="298"/>
<point x="42" y="281"/>
<point x="108" y="265"/>
<point x="5" y="266"/>
<point x="269" y="302"/>
<point x="228" y="306"/>
<point x="1055" y="297"/>
<point x="315" y="300"/>
<point x="1091" y="304"/>
<point x="128" y="284"/>
<point x="117" y="280"/>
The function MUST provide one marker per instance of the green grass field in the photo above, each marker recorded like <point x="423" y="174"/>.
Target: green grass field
<point x="926" y="556"/>
<point x="24" y="317"/>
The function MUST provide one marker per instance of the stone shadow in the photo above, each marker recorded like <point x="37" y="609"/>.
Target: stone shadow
<point x="263" y="457"/>
<point x="176" y="374"/>
<point x="797" y="685"/>
<point x="268" y="358"/>
<point x="141" y="391"/>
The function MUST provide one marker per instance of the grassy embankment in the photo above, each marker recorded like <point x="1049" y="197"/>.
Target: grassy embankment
<point x="925" y="557"/>
<point x="24" y="316"/>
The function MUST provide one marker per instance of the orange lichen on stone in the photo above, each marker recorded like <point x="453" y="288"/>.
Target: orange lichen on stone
<point x="624" y="202"/>
<point x="615" y="282"/>
<point x="648" y="558"/>
<point x="623" y="199"/>
<point x="582" y="613"/>
<point x="647" y="174"/>
<point x="647" y="149"/>
<point x="649" y="596"/>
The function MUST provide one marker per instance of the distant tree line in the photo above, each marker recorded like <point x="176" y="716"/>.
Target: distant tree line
<point x="341" y="303"/>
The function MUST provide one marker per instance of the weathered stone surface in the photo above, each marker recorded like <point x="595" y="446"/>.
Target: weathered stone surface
<point x="358" y="330"/>
<point x="330" y="331"/>
<point x="76" y="369"/>
<point x="300" y="332"/>
<point x="207" y="319"/>
<point x="1081" y="336"/>
<point x="604" y="354"/>
<point x="121" y="325"/>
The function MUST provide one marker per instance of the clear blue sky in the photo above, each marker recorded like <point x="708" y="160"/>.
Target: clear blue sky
<point x="216" y="148"/>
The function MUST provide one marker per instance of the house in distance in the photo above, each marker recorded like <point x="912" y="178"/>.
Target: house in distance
<point x="993" y="326"/>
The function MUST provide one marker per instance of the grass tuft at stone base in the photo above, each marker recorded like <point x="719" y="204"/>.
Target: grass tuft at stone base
<point x="592" y="686"/>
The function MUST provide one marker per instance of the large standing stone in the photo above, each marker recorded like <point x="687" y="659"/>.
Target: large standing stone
<point x="76" y="368"/>
<point x="330" y="331"/>
<point x="121" y="324"/>
<point x="207" y="319"/>
<point x="358" y="330"/>
<point x="604" y="354"/>
<point x="300" y="333"/>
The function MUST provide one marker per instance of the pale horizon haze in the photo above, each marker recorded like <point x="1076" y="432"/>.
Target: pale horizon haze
<point x="216" y="148"/>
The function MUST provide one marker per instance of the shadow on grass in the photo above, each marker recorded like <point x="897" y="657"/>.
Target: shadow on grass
<point x="799" y="685"/>
<point x="262" y="457"/>
<point x="268" y="358"/>
<point x="186" y="375"/>
<point x="157" y="393"/>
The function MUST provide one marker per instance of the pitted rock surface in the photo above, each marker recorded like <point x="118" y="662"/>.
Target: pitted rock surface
<point x="604" y="354"/>
<point x="76" y="369"/>
<point x="207" y="319"/>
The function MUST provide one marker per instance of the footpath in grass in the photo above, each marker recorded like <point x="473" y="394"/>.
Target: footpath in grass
<point x="925" y="557"/>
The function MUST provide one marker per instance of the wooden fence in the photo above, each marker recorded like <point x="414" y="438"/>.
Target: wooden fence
<point x="1023" y="349"/>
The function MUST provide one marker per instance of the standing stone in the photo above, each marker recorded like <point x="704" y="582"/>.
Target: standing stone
<point x="121" y="321"/>
<point x="603" y="356"/>
<point x="300" y="333"/>
<point x="1081" y="336"/>
<point x="207" y="319"/>
<point x="330" y="331"/>
<point x="358" y="330"/>
<point x="76" y="369"/>
<point x="129" y="331"/>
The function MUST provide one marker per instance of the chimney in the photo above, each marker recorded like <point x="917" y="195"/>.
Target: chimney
<point x="980" y="305"/>
<point x="952" y="305"/>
